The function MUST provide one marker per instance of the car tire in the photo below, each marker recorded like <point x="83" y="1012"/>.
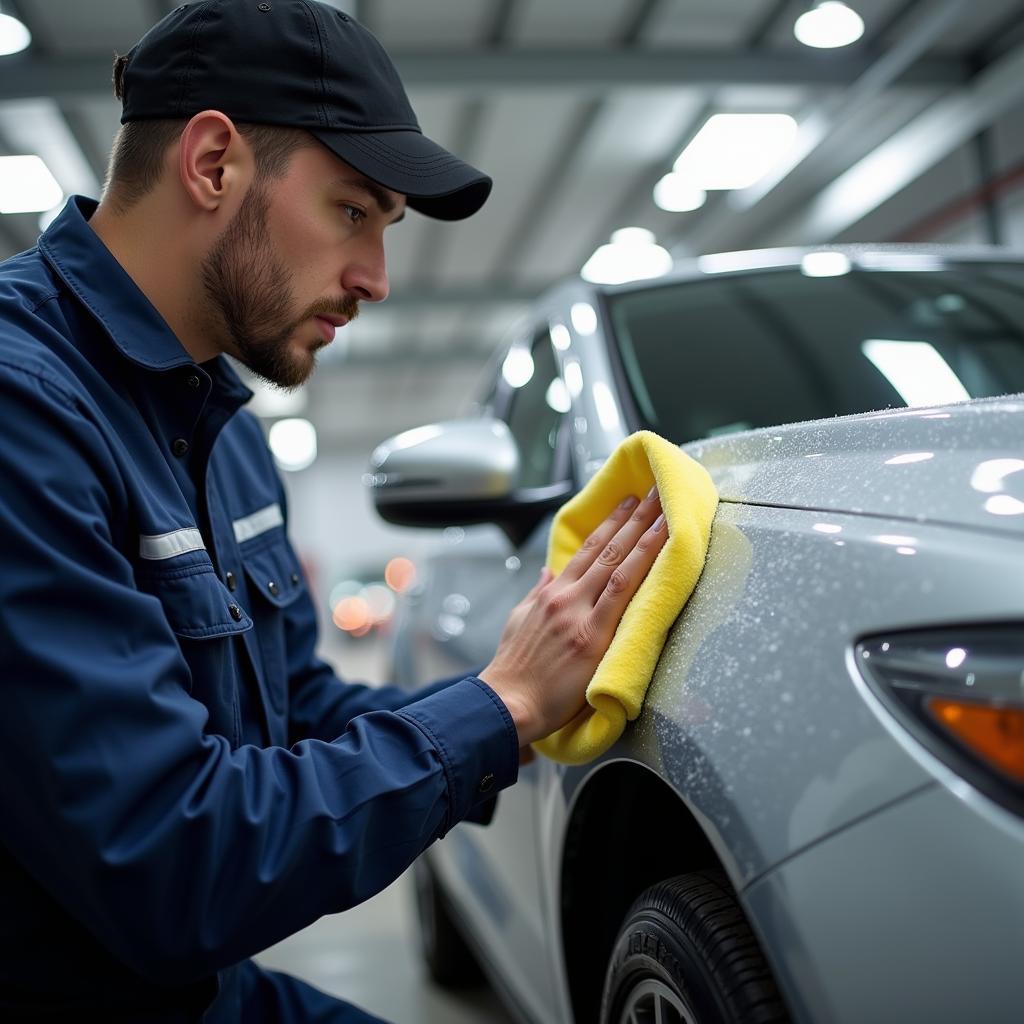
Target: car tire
<point x="450" y="961"/>
<point x="686" y="955"/>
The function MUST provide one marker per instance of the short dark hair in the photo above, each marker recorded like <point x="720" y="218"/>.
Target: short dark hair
<point x="137" y="157"/>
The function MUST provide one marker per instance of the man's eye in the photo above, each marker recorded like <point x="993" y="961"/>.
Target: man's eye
<point x="353" y="213"/>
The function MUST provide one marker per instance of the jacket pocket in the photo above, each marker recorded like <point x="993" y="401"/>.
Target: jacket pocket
<point x="274" y="583"/>
<point x="205" y="617"/>
<point x="197" y="604"/>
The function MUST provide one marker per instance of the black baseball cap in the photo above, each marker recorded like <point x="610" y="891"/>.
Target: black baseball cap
<point x="298" y="64"/>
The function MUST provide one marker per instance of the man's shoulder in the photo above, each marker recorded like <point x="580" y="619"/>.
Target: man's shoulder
<point x="32" y="326"/>
<point x="26" y="283"/>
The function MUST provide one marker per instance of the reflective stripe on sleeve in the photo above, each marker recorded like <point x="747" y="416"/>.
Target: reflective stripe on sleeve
<point x="259" y="522"/>
<point x="167" y="545"/>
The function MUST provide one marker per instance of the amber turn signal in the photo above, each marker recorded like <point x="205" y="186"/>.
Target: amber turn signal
<point x="993" y="733"/>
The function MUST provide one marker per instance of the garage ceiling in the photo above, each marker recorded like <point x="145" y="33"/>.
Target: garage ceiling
<point x="576" y="108"/>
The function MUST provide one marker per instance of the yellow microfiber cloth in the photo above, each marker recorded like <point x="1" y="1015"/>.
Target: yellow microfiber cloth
<point x="689" y="501"/>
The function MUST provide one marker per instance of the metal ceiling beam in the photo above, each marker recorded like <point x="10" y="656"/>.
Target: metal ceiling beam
<point x="903" y="158"/>
<point x="744" y="214"/>
<point x="24" y="76"/>
<point x="822" y="121"/>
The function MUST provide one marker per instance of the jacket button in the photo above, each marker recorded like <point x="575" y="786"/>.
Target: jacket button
<point x="193" y="381"/>
<point x="229" y="579"/>
<point x="236" y="612"/>
<point x="273" y="588"/>
<point x="180" y="447"/>
<point x="295" y="579"/>
<point x="486" y="783"/>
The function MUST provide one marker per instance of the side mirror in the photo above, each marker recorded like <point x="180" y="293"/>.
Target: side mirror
<point x="458" y="473"/>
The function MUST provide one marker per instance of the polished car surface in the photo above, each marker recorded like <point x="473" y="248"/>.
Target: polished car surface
<point x="864" y="587"/>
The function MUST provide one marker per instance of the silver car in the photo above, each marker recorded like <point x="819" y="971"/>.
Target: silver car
<point x="818" y="814"/>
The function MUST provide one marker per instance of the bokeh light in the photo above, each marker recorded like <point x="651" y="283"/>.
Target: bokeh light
<point x="400" y="574"/>
<point x="352" y="614"/>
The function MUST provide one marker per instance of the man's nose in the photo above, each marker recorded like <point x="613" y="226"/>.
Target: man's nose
<point x="367" y="277"/>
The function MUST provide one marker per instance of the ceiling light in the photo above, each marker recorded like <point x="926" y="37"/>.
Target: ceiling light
<point x="517" y="369"/>
<point x="14" y="36"/>
<point x="825" y="264"/>
<point x="584" y="318"/>
<point x="560" y="337"/>
<point x="916" y="370"/>
<point x="676" y="195"/>
<point x="632" y="255"/>
<point x="293" y="443"/>
<point x="27" y="186"/>
<point x="755" y="259"/>
<point x="829" y="24"/>
<point x="557" y="396"/>
<point x="732" y="151"/>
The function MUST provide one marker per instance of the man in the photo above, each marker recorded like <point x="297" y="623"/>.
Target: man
<point x="185" y="783"/>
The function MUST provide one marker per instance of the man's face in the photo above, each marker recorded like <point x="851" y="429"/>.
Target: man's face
<point x="295" y="262"/>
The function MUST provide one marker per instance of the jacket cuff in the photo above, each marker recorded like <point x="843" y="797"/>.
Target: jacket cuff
<point x="475" y="739"/>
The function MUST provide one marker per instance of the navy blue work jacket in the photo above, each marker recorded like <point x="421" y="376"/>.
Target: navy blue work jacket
<point x="184" y="782"/>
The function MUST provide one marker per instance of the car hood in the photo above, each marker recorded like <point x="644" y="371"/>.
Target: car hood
<point x="957" y="464"/>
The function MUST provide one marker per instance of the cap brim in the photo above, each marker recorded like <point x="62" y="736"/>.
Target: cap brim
<point x="434" y="181"/>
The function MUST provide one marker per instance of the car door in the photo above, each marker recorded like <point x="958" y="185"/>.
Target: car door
<point x="473" y="584"/>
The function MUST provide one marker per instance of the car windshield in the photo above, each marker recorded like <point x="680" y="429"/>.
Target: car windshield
<point x="752" y="350"/>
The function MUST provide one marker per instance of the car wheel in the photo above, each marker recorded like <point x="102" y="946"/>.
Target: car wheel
<point x="686" y="955"/>
<point x="449" y="960"/>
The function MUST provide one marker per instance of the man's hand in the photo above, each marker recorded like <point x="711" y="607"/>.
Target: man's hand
<point x="558" y="633"/>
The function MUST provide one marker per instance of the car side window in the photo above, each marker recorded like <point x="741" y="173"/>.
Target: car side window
<point x="536" y="412"/>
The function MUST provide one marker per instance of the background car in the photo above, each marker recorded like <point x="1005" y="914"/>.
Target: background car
<point x="817" y="815"/>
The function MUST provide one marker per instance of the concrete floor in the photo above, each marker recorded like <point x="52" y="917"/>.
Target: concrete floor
<point x="368" y="956"/>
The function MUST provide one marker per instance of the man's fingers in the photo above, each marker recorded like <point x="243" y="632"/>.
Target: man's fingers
<point x="625" y="580"/>
<point x="614" y="553"/>
<point x="594" y="544"/>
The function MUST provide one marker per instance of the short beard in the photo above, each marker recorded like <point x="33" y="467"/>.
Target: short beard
<point x="251" y="297"/>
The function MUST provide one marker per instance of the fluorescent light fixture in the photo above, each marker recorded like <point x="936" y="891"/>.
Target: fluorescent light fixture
<point x="1004" y="505"/>
<point x="732" y="151"/>
<point x="889" y="538"/>
<point x="557" y="396"/>
<point x="293" y="443"/>
<point x="632" y="255"/>
<point x="607" y="410"/>
<point x="676" y="194"/>
<point x="825" y="264"/>
<point x="909" y="458"/>
<point x="14" y="36"/>
<point x="989" y="476"/>
<point x="829" y="24"/>
<point x="905" y="261"/>
<point x="27" y="186"/>
<point x="755" y="259"/>
<point x="916" y="370"/>
<point x="518" y="367"/>
<point x="574" y="377"/>
<point x="584" y="318"/>
<point x="560" y="336"/>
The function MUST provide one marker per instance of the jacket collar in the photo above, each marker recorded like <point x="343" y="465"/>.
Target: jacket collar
<point x="89" y="269"/>
<point x="131" y="321"/>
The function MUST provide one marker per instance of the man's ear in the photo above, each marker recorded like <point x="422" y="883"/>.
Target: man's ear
<point x="212" y="160"/>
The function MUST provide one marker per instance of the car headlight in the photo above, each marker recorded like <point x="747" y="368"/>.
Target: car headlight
<point x="960" y="692"/>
